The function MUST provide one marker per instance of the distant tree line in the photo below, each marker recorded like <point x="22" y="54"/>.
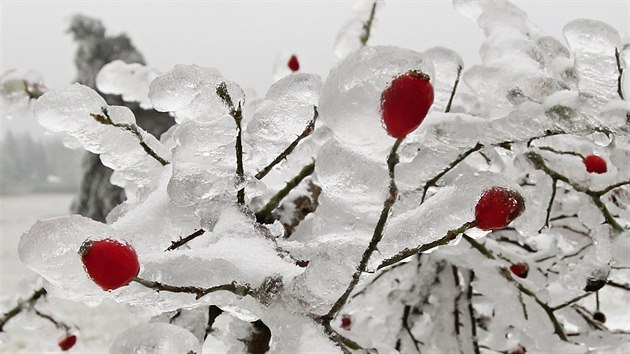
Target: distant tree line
<point x="45" y="165"/>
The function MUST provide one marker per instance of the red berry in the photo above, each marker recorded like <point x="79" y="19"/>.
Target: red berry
<point x="595" y="164"/>
<point x="68" y="342"/>
<point x="346" y="322"/>
<point x="111" y="264"/>
<point x="497" y="207"/>
<point x="405" y="103"/>
<point x="293" y="63"/>
<point x="520" y="269"/>
<point x="598" y="316"/>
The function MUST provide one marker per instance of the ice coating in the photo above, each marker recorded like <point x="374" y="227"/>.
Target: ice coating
<point x="131" y="81"/>
<point x="594" y="45"/>
<point x="350" y="100"/>
<point x="51" y="249"/>
<point x="281" y="117"/>
<point x="352" y="34"/>
<point x="159" y="338"/>
<point x="79" y="112"/>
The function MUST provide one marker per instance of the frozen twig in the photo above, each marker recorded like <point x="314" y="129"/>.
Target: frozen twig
<point x="184" y="240"/>
<point x="263" y="216"/>
<point x="237" y="114"/>
<point x="21" y="305"/>
<point x="367" y="26"/>
<point x="408" y="252"/>
<point x="471" y="313"/>
<point x="392" y="160"/>
<point x="307" y="131"/>
<point x="234" y="287"/>
<point x="106" y="120"/>
<point x="450" y="99"/>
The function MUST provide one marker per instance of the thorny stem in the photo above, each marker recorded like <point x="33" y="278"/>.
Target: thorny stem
<point x="539" y="163"/>
<point x="367" y="26"/>
<point x="184" y="240"/>
<point x="452" y="165"/>
<point x="21" y="305"/>
<point x="106" y="120"/>
<point x="307" y="131"/>
<point x="234" y="287"/>
<point x="237" y="114"/>
<point x="263" y="216"/>
<point x="408" y="252"/>
<point x="392" y="160"/>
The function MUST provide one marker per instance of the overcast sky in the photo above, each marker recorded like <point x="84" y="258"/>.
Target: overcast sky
<point x="243" y="38"/>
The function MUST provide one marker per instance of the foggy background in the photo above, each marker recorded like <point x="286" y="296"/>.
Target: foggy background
<point x="243" y="39"/>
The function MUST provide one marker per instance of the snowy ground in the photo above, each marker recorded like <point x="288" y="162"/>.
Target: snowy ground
<point x="27" y="334"/>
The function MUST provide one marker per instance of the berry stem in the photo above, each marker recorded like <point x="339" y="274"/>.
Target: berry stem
<point x="307" y="131"/>
<point x="408" y="252"/>
<point x="554" y="185"/>
<point x="105" y="119"/>
<point x="234" y="287"/>
<point x="21" y="305"/>
<point x="450" y="100"/>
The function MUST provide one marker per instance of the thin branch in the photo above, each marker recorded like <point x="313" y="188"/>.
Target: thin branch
<point x="343" y="342"/>
<point x="49" y="318"/>
<point x="611" y="187"/>
<point x="618" y="285"/>
<point x="377" y="277"/>
<point x="405" y="324"/>
<point x="263" y="216"/>
<point x="184" y="240"/>
<point x="392" y="160"/>
<point x="571" y="302"/>
<point x="21" y="305"/>
<point x="234" y="287"/>
<point x="237" y="114"/>
<point x="457" y="322"/>
<point x="619" y="79"/>
<point x="554" y="185"/>
<point x="450" y="100"/>
<point x="460" y="158"/>
<point x="408" y="252"/>
<point x="307" y="131"/>
<point x="106" y="120"/>
<point x="559" y="152"/>
<point x="367" y="26"/>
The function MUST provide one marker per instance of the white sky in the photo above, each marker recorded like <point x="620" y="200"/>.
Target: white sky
<point x="243" y="38"/>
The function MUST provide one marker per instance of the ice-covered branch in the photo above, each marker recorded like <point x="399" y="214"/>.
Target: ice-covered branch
<point x="184" y="240"/>
<point x="408" y="252"/>
<point x="540" y="163"/>
<point x="105" y="119"/>
<point x="392" y="160"/>
<point x="21" y="305"/>
<point x="367" y="26"/>
<point x="237" y="114"/>
<point x="234" y="287"/>
<point x="283" y="155"/>
<point x="264" y="215"/>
